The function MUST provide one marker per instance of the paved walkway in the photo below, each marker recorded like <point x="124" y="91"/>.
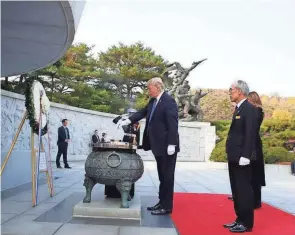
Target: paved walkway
<point x="18" y="216"/>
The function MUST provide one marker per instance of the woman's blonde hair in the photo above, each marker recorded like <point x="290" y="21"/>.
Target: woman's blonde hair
<point x="254" y="98"/>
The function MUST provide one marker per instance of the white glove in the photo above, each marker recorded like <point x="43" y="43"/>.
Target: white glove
<point x="123" y="122"/>
<point x="244" y="161"/>
<point x="171" y="149"/>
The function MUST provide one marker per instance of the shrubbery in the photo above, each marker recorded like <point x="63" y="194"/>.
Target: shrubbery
<point x="276" y="154"/>
<point x="275" y="133"/>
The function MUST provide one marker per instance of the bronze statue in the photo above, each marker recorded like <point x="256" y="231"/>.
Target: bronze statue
<point x="182" y="98"/>
<point x="188" y="104"/>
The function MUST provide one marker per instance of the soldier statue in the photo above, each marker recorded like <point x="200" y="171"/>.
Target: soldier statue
<point x="132" y="135"/>
<point x="174" y="78"/>
<point x="182" y="98"/>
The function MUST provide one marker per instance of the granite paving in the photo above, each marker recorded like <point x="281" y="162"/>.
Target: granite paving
<point x="53" y="215"/>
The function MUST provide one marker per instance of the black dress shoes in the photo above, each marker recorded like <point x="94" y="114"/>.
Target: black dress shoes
<point x="155" y="207"/>
<point x="161" y="212"/>
<point x="233" y="224"/>
<point x="68" y="167"/>
<point x="59" y="167"/>
<point x="239" y="228"/>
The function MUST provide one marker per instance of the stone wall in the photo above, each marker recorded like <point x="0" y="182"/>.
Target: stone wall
<point x="197" y="140"/>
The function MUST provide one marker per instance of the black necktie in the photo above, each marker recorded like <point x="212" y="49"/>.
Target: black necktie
<point x="67" y="133"/>
<point x="236" y="110"/>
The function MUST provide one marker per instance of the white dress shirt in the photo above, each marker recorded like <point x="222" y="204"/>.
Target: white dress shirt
<point x="240" y="103"/>
<point x="159" y="97"/>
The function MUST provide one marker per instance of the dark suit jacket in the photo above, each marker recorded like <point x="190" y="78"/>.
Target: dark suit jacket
<point x="95" y="139"/>
<point x="241" y="136"/>
<point x="163" y="127"/>
<point x="258" y="142"/>
<point x="62" y="135"/>
<point x="258" y="171"/>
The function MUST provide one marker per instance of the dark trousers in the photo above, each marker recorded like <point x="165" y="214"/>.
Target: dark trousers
<point x="166" y="169"/>
<point x="62" y="150"/>
<point x="256" y="193"/>
<point x="293" y="167"/>
<point x="240" y="181"/>
<point x="112" y="192"/>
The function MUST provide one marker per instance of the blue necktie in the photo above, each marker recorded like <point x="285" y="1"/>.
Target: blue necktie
<point x="153" y="108"/>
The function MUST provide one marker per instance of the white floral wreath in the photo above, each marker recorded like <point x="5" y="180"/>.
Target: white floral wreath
<point x="37" y="89"/>
<point x="35" y="93"/>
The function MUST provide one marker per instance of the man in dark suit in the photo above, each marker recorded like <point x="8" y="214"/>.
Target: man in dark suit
<point x="293" y="163"/>
<point x="239" y="148"/>
<point x="62" y="143"/>
<point x="161" y="137"/>
<point x="95" y="139"/>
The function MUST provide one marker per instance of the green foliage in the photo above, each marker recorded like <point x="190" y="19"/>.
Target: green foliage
<point x="275" y="133"/>
<point x="274" y="155"/>
<point x="128" y="67"/>
<point x="87" y="97"/>
<point x="222" y="128"/>
<point x="273" y="125"/>
<point x="272" y="141"/>
<point x="280" y="114"/>
<point x="77" y="65"/>
<point x="141" y="101"/>
<point x="218" y="154"/>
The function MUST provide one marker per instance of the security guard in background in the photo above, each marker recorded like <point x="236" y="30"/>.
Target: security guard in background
<point x="132" y="135"/>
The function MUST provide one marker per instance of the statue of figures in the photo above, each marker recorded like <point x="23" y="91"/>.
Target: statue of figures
<point x="195" y="109"/>
<point x="182" y="98"/>
<point x="175" y="75"/>
<point x="188" y="104"/>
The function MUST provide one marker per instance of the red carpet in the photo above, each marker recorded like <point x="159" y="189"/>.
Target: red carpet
<point x="204" y="214"/>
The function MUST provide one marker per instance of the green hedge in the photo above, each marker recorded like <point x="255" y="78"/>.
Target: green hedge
<point x="277" y="154"/>
<point x="274" y="136"/>
<point x="218" y="154"/>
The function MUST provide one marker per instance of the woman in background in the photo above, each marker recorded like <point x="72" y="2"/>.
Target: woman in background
<point x="258" y="172"/>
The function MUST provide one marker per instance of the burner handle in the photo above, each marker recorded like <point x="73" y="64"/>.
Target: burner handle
<point x="114" y="165"/>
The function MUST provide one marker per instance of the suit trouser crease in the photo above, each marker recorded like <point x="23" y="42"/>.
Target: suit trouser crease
<point x="62" y="150"/>
<point x="231" y="179"/>
<point x="256" y="193"/>
<point x="240" y="180"/>
<point x="166" y="169"/>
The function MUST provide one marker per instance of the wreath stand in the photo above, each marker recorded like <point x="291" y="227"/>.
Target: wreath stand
<point x="39" y="150"/>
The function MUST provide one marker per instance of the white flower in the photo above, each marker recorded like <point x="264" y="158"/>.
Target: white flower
<point x="37" y="89"/>
<point x="45" y="104"/>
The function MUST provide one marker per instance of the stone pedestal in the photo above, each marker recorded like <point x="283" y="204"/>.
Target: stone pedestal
<point x="109" y="208"/>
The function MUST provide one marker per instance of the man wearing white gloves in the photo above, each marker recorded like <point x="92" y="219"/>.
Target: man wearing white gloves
<point x="239" y="148"/>
<point x="161" y="137"/>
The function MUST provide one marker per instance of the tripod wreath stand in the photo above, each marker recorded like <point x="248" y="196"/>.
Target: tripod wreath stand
<point x="37" y="111"/>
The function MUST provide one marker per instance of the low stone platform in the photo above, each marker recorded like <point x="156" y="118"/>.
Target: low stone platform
<point x="109" y="208"/>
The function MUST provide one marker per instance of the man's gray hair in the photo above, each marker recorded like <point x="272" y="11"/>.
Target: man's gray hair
<point x="243" y="86"/>
<point x="156" y="82"/>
